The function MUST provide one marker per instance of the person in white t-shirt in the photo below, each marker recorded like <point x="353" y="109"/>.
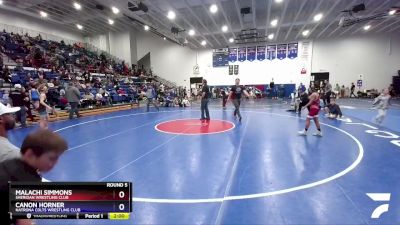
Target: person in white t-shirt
<point x="162" y="88"/>
<point x="185" y="102"/>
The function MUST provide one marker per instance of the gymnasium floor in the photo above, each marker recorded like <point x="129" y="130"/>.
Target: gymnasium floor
<point x="255" y="172"/>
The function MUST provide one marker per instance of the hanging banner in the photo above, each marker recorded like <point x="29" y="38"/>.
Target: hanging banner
<point x="242" y="54"/>
<point x="230" y="69"/>
<point x="261" y="53"/>
<point x="236" y="69"/>
<point x="233" y="55"/>
<point x="305" y="56"/>
<point x="251" y="54"/>
<point x="271" y="52"/>
<point x="281" y="51"/>
<point x="293" y="50"/>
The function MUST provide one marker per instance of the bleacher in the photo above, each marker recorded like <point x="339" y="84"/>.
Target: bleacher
<point x="63" y="63"/>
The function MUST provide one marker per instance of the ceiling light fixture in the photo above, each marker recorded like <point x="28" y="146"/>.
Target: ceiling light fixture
<point x="203" y="43"/>
<point x="146" y="27"/>
<point x="213" y="8"/>
<point x="80" y="27"/>
<point x="191" y="32"/>
<point x="224" y="28"/>
<point x="77" y="6"/>
<point x="231" y="40"/>
<point x="271" y="36"/>
<point x="306" y="32"/>
<point x="171" y="15"/>
<point x="115" y="10"/>
<point x="367" y="27"/>
<point x="43" y="14"/>
<point x="278" y="1"/>
<point x="110" y="21"/>
<point x="318" y="17"/>
<point x="274" y="22"/>
<point x="392" y="12"/>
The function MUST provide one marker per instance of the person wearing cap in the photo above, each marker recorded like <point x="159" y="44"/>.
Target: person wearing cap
<point x="7" y="122"/>
<point x="19" y="99"/>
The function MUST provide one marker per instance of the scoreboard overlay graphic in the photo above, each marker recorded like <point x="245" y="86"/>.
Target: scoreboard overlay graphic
<point x="70" y="200"/>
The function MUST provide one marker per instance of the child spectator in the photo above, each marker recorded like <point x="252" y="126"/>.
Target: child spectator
<point x="39" y="153"/>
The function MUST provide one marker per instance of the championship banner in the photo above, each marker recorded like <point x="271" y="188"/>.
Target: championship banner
<point x="233" y="55"/>
<point x="281" y="51"/>
<point x="242" y="54"/>
<point x="236" y="69"/>
<point x="251" y="54"/>
<point x="271" y="52"/>
<point x="261" y="53"/>
<point x="293" y="50"/>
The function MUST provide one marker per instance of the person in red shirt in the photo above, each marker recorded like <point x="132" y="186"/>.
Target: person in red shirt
<point x="312" y="114"/>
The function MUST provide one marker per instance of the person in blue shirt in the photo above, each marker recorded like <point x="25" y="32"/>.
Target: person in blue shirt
<point x="301" y="88"/>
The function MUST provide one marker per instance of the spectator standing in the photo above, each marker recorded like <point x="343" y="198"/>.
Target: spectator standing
<point x="151" y="97"/>
<point x="337" y="91"/>
<point x="272" y="88"/>
<point x="342" y="91"/>
<point x="301" y="88"/>
<point x="328" y="92"/>
<point x="73" y="97"/>
<point x="205" y="95"/>
<point x="224" y="98"/>
<point x="353" y="87"/>
<point x="19" y="99"/>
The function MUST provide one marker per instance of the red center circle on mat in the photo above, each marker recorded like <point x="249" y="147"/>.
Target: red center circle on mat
<point x="194" y="126"/>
